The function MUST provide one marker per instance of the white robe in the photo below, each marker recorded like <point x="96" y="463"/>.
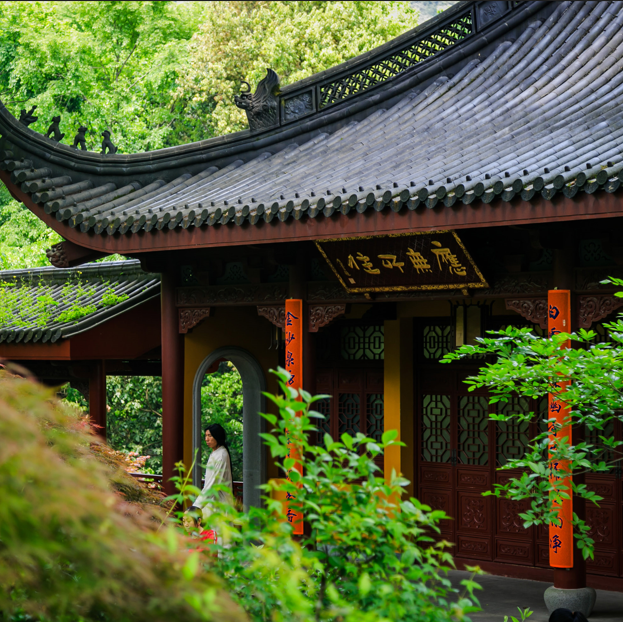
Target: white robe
<point x="218" y="471"/>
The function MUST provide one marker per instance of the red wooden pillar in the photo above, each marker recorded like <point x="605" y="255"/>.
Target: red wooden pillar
<point x="97" y="397"/>
<point x="563" y="278"/>
<point x="172" y="383"/>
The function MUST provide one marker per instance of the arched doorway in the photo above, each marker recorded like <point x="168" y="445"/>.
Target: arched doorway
<point x="253" y="402"/>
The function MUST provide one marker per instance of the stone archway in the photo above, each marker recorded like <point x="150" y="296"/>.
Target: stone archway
<point x="253" y="402"/>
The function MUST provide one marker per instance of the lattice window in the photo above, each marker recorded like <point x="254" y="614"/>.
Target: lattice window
<point x="436" y="428"/>
<point x="512" y="436"/>
<point x="234" y="274"/>
<point x="473" y="430"/>
<point x="363" y="343"/>
<point x="375" y="415"/>
<point x="544" y="262"/>
<point x="317" y="270"/>
<point x="592" y="254"/>
<point x="280" y="275"/>
<point x="437" y="341"/>
<point x="397" y="63"/>
<point x="323" y="425"/>
<point x="349" y="413"/>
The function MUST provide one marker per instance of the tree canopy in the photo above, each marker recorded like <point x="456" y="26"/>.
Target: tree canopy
<point x="160" y="74"/>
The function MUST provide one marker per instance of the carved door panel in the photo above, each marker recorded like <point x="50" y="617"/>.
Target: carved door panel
<point x="454" y="461"/>
<point x="459" y="452"/>
<point x="606" y="521"/>
<point x="513" y="543"/>
<point x="356" y="403"/>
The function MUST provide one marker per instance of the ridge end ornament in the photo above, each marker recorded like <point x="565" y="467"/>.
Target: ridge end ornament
<point x="55" y="129"/>
<point x="27" y="117"/>
<point x="262" y="107"/>
<point x="80" y="138"/>
<point x="108" y="144"/>
<point x="57" y="256"/>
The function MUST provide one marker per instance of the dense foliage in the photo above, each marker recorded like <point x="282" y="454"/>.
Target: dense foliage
<point x="370" y="554"/>
<point x="531" y="367"/>
<point x="71" y="548"/>
<point x="134" y="418"/>
<point x="239" y="40"/>
<point x="159" y="74"/>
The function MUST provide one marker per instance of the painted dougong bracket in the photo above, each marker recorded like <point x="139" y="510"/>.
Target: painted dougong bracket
<point x="275" y="314"/>
<point x="320" y="315"/>
<point x="189" y="318"/>
<point x="533" y="309"/>
<point x="590" y="309"/>
<point x="594" y="308"/>
<point x="323" y="315"/>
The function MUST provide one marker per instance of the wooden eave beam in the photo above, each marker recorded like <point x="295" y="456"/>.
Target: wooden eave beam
<point x="477" y="215"/>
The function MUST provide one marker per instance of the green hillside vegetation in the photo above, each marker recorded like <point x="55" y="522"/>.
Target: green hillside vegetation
<point x="159" y="74"/>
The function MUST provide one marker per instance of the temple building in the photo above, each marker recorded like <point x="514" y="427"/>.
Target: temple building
<point x="412" y="197"/>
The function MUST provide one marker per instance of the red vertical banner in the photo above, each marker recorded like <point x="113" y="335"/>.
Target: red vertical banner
<point x="294" y="365"/>
<point x="561" y="530"/>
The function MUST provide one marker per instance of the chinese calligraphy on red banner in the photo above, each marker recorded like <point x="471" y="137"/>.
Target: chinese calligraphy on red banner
<point x="560" y="531"/>
<point x="403" y="262"/>
<point x="294" y="365"/>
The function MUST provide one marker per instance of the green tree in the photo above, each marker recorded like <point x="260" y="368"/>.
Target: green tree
<point x="239" y="40"/>
<point x="529" y="366"/>
<point x="134" y="417"/>
<point x="221" y="402"/>
<point x="24" y="238"/>
<point x="105" y="65"/>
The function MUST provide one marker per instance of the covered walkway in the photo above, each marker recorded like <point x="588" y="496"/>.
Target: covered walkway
<point x="501" y="596"/>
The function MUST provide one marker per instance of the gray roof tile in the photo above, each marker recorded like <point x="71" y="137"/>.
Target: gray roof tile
<point x="48" y="304"/>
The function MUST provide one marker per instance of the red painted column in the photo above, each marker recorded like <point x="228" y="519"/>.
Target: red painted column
<point x="97" y="397"/>
<point x="563" y="278"/>
<point x="172" y="383"/>
<point x="294" y="323"/>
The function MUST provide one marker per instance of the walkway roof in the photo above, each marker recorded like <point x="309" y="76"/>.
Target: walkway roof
<point x="47" y="304"/>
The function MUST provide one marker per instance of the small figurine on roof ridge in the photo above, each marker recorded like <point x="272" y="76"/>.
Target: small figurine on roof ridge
<point x="262" y="107"/>
<point x="80" y="138"/>
<point x="27" y="117"/>
<point x="55" y="129"/>
<point x="107" y="143"/>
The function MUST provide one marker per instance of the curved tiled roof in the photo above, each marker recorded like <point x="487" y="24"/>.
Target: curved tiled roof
<point x="48" y="304"/>
<point x="539" y="114"/>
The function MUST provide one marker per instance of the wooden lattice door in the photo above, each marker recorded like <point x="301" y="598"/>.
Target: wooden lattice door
<point x="459" y="451"/>
<point x="350" y="370"/>
<point x="455" y="459"/>
<point x="606" y="521"/>
<point x="356" y="403"/>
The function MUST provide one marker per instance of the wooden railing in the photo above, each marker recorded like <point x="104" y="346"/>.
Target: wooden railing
<point x="151" y="477"/>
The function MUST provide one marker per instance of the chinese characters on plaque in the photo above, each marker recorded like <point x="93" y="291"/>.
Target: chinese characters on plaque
<point x="402" y="262"/>
<point x="560" y="530"/>
<point x="294" y="365"/>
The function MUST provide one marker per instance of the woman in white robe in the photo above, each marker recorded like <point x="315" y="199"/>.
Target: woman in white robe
<point x="218" y="471"/>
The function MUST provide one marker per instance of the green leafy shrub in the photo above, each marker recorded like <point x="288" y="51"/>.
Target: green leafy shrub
<point x="370" y="553"/>
<point x="530" y="366"/>
<point x="76" y="312"/>
<point x="70" y="548"/>
<point x="110" y="299"/>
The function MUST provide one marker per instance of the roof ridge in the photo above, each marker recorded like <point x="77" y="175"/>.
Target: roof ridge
<point x="128" y="267"/>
